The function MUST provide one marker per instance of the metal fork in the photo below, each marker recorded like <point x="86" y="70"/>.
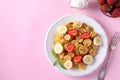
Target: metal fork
<point x="113" y="45"/>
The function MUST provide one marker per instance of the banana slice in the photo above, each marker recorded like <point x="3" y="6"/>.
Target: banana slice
<point x="77" y="24"/>
<point x="62" y="29"/>
<point x="88" y="59"/>
<point x="67" y="37"/>
<point x="97" y="41"/>
<point x="58" y="48"/>
<point x="68" y="64"/>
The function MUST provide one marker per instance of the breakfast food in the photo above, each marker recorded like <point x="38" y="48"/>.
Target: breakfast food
<point x="68" y="64"/>
<point x="62" y="29"/>
<point x="97" y="41"/>
<point x="58" y="48"/>
<point x="110" y="7"/>
<point x="76" y="45"/>
<point x="88" y="59"/>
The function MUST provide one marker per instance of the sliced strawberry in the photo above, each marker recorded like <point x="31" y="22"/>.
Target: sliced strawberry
<point x="77" y="59"/>
<point x="111" y="2"/>
<point x="70" y="47"/>
<point x="72" y="32"/>
<point x="85" y="35"/>
<point x="101" y="2"/>
<point x="116" y="13"/>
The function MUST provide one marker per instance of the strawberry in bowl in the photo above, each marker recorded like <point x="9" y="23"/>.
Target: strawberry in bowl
<point x="110" y="8"/>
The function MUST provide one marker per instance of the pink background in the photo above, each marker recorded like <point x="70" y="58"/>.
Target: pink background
<point x="23" y="25"/>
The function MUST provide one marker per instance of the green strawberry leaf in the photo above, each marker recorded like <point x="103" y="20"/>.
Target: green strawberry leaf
<point x="109" y="7"/>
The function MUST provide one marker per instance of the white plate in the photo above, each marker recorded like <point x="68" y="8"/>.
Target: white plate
<point x="88" y="20"/>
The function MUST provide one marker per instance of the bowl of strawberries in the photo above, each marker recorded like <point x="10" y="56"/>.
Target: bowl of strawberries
<point x="110" y="8"/>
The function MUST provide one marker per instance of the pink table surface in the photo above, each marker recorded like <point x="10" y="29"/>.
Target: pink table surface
<point x="23" y="25"/>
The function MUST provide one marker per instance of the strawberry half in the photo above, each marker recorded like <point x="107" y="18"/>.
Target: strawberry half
<point x="116" y="13"/>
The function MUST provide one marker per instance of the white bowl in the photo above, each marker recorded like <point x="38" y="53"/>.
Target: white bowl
<point x="96" y="26"/>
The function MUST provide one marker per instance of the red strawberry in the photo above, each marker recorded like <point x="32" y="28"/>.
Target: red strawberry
<point x="116" y="13"/>
<point x="117" y="4"/>
<point x="111" y="2"/>
<point x="72" y="32"/>
<point x="104" y="8"/>
<point x="101" y="2"/>
<point x="70" y="47"/>
<point x="77" y="59"/>
<point x="85" y="35"/>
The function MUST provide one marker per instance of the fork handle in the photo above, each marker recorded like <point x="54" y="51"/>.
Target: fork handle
<point x="102" y="73"/>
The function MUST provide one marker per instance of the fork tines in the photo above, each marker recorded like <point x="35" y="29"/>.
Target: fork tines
<point x="116" y="38"/>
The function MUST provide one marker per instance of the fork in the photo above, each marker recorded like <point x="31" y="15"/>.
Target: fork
<point x="114" y="42"/>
